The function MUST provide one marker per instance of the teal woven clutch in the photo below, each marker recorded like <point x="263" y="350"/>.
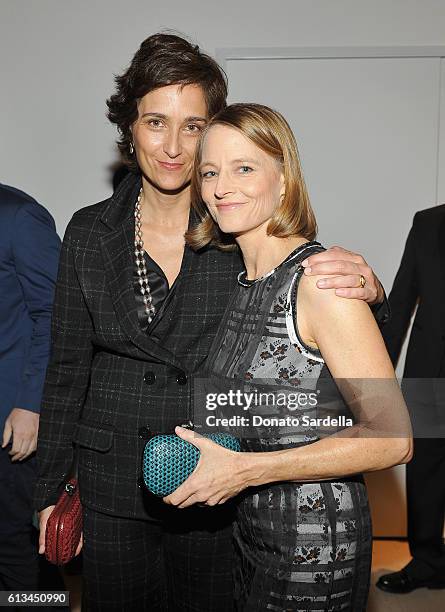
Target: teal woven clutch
<point x="168" y="460"/>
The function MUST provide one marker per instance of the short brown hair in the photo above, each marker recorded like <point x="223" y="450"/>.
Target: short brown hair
<point x="161" y="60"/>
<point x="269" y="130"/>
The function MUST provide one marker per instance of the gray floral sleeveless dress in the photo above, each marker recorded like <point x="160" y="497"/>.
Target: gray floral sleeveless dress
<point x="301" y="546"/>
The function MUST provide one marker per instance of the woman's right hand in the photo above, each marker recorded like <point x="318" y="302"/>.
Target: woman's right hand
<point x="43" y="519"/>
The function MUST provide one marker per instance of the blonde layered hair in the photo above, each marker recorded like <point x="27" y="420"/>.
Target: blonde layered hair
<point x="269" y="131"/>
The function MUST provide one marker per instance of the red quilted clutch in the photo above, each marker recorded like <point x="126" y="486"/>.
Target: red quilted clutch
<point x="64" y="526"/>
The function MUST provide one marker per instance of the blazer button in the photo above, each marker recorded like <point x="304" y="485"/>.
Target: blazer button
<point x="181" y="379"/>
<point x="144" y="433"/>
<point x="149" y="378"/>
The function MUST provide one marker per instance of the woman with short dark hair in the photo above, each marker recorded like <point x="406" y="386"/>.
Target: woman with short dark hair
<point x="162" y="60"/>
<point x="134" y="316"/>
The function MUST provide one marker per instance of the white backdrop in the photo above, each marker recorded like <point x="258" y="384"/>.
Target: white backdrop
<point x="367" y="130"/>
<point x="57" y="60"/>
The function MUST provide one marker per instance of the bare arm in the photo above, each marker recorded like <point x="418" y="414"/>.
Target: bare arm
<point x="348" y="337"/>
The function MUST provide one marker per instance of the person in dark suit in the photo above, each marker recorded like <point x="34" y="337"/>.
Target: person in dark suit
<point x="134" y="317"/>
<point x="421" y="280"/>
<point x="29" y="253"/>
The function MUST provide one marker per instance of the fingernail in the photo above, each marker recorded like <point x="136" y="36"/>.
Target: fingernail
<point x="340" y="292"/>
<point x="322" y="283"/>
<point x="305" y="262"/>
<point x="307" y="270"/>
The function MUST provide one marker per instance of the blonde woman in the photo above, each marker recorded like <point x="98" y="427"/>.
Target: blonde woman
<point x="303" y="529"/>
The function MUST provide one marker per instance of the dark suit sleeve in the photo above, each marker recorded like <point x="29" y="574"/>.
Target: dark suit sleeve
<point x="36" y="255"/>
<point x="402" y="299"/>
<point x="67" y="378"/>
<point x="382" y="311"/>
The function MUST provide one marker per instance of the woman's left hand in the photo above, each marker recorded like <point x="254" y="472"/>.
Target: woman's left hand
<point x="219" y="475"/>
<point x="345" y="269"/>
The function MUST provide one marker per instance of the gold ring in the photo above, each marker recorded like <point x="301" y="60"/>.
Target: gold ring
<point x="362" y="281"/>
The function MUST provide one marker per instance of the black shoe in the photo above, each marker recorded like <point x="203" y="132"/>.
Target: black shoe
<point x="402" y="582"/>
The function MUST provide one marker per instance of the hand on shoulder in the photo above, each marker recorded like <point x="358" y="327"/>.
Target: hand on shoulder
<point x="344" y="330"/>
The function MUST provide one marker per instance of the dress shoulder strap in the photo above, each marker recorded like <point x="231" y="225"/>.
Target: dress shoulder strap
<point x="291" y="303"/>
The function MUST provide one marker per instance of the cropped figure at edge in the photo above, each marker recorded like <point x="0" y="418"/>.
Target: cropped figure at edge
<point x="303" y="529"/>
<point x="421" y="279"/>
<point x="29" y="255"/>
<point x="123" y="361"/>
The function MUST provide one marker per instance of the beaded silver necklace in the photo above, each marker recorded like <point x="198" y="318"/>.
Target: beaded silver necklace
<point x="141" y="269"/>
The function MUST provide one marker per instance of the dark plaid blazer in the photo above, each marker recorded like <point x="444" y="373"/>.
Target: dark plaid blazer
<point x="108" y="383"/>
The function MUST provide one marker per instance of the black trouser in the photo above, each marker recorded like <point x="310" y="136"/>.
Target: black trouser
<point x="18" y="546"/>
<point x="19" y="560"/>
<point x="183" y="563"/>
<point x="425" y="486"/>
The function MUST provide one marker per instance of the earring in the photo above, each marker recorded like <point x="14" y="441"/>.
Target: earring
<point x="131" y="148"/>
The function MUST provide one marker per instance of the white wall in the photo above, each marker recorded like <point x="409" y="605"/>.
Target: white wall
<point x="57" y="60"/>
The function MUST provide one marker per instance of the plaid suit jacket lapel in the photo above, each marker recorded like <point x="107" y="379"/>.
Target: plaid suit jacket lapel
<point x="117" y="248"/>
